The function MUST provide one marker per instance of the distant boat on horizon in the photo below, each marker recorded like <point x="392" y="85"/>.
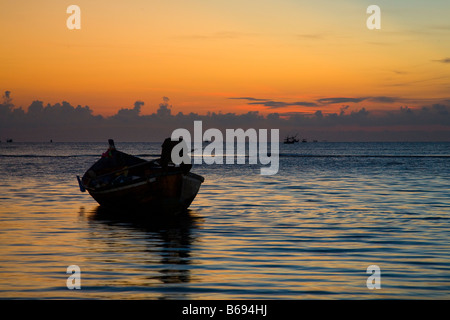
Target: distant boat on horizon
<point x="291" y="139"/>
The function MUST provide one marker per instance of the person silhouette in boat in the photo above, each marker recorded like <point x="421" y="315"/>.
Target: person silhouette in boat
<point x="109" y="153"/>
<point x="166" y="154"/>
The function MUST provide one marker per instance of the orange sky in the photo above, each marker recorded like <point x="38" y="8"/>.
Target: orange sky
<point x="200" y="54"/>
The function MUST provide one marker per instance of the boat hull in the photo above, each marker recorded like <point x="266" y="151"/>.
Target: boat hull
<point x="170" y="192"/>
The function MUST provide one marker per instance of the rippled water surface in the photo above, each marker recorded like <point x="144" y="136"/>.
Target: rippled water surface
<point x="310" y="231"/>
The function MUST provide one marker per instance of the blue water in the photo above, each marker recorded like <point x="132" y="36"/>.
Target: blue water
<point x="309" y="232"/>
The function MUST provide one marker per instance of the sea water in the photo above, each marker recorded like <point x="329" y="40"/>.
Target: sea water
<point x="308" y="232"/>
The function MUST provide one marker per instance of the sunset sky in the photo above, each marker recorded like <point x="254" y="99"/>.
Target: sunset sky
<point x="283" y="55"/>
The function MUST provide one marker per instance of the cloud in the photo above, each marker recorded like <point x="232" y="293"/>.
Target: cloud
<point x="379" y="99"/>
<point x="248" y="98"/>
<point x="64" y="122"/>
<point x="384" y="99"/>
<point x="280" y="104"/>
<point x="138" y="105"/>
<point x="221" y="35"/>
<point x="312" y="36"/>
<point x="400" y="72"/>
<point x="275" y="104"/>
<point x="130" y="113"/>
<point x="164" y="108"/>
<point x="445" y="60"/>
<point x="343" y="109"/>
<point x="340" y="100"/>
<point x="322" y="102"/>
<point x="442" y="27"/>
<point x="435" y="80"/>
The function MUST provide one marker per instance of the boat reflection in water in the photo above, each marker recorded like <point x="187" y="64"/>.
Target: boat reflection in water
<point x="122" y="180"/>
<point x="150" y="250"/>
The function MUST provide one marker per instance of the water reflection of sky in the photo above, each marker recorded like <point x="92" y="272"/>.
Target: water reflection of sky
<point x="311" y="233"/>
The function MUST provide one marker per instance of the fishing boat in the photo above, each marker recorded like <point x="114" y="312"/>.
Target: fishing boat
<point x="290" y="139"/>
<point x="121" y="180"/>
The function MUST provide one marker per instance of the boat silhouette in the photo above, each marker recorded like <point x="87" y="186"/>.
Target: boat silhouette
<point x="120" y="180"/>
<point x="291" y="139"/>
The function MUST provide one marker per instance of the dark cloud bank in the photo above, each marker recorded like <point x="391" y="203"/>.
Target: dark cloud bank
<point x="64" y="122"/>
